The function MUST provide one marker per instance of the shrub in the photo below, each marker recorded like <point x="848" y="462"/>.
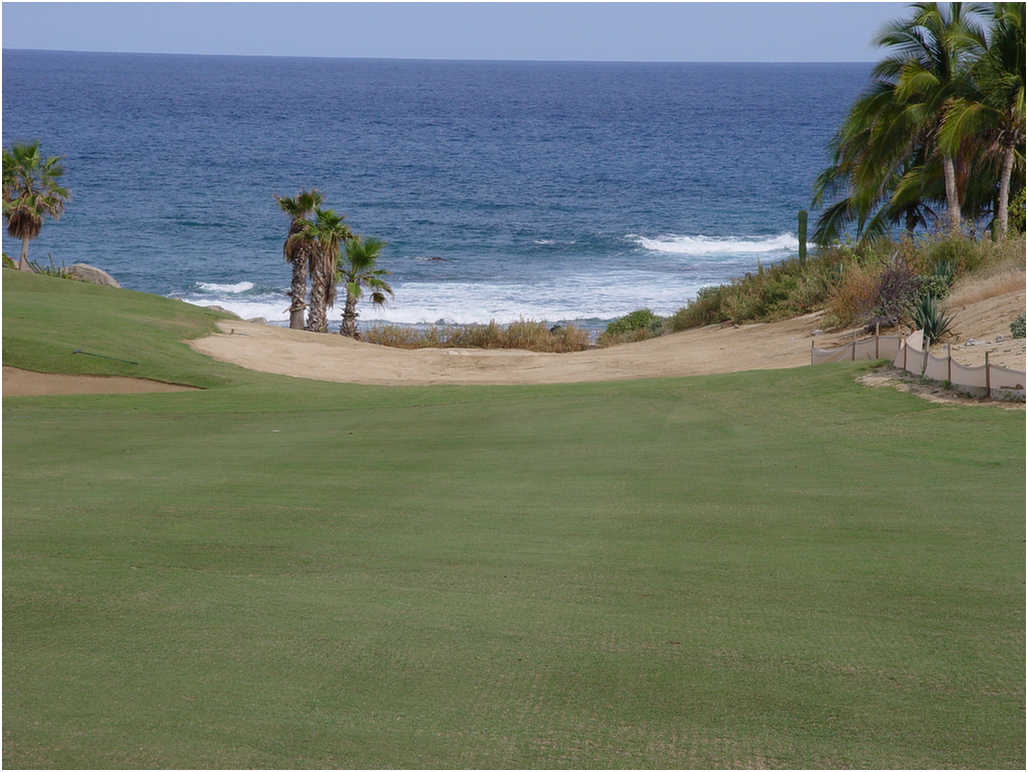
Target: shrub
<point x="898" y="286"/>
<point x="642" y="319"/>
<point x="534" y="336"/>
<point x="57" y="271"/>
<point x="928" y="315"/>
<point x="1017" y="327"/>
<point x="1015" y="213"/>
<point x="962" y="254"/>
<point x="703" y="310"/>
<point x="855" y="295"/>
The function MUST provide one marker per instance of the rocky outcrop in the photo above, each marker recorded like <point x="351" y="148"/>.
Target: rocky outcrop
<point x="91" y="274"/>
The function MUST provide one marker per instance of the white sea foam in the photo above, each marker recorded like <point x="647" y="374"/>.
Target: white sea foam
<point x="602" y="295"/>
<point x="716" y="245"/>
<point x="232" y="289"/>
<point x="270" y="307"/>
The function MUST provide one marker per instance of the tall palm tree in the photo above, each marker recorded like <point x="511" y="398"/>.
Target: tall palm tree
<point x="356" y="271"/>
<point x="297" y="249"/>
<point x="887" y="156"/>
<point x="993" y="109"/>
<point x="30" y="193"/>
<point x="326" y="233"/>
<point x="929" y="63"/>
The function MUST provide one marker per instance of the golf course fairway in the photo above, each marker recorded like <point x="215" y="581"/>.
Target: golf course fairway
<point x="764" y="569"/>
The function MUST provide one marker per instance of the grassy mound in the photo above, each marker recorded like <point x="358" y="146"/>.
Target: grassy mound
<point x="761" y="569"/>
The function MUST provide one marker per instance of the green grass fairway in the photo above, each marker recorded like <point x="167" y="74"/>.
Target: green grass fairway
<point x="768" y="569"/>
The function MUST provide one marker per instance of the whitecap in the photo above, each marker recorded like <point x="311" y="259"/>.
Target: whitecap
<point x="231" y="289"/>
<point x="716" y="245"/>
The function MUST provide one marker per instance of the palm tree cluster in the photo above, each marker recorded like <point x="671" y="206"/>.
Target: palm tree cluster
<point x="328" y="252"/>
<point x="30" y="194"/>
<point x="938" y="139"/>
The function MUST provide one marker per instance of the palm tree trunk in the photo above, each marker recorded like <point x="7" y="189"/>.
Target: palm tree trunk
<point x="952" y="201"/>
<point x="316" y="321"/>
<point x="298" y="292"/>
<point x="23" y="258"/>
<point x="1004" y="192"/>
<point x="349" y="325"/>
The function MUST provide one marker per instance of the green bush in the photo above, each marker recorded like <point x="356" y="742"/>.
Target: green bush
<point x="643" y="319"/>
<point x="703" y="310"/>
<point x="961" y="254"/>
<point x="1015" y="213"/>
<point x="1017" y="327"/>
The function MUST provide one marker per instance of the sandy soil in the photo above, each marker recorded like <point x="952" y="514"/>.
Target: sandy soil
<point x="25" y="383"/>
<point x="985" y="326"/>
<point x="713" y="349"/>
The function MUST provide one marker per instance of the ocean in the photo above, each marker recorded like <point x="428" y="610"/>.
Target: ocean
<point x="556" y="191"/>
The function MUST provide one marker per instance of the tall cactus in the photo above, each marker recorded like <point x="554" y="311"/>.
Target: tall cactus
<point x="802" y="236"/>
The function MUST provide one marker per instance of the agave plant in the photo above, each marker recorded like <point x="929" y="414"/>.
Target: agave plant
<point x="927" y="315"/>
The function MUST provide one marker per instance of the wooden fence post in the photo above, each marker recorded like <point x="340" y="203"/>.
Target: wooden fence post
<point x="853" y="348"/>
<point x="811" y="352"/>
<point x="904" y="353"/>
<point x="949" y="365"/>
<point x="988" y="379"/>
<point x="876" y="340"/>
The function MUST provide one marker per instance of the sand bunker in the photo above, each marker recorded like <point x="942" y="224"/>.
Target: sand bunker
<point x="25" y="383"/>
<point x="707" y="350"/>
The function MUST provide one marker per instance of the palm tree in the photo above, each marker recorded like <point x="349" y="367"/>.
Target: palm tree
<point x="929" y="64"/>
<point x="993" y="110"/>
<point x="885" y="176"/>
<point x="30" y="193"/>
<point x="888" y="156"/>
<point x="356" y="271"/>
<point x="297" y="249"/>
<point x="327" y="232"/>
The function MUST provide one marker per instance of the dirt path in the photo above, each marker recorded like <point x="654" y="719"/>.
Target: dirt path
<point x="713" y="349"/>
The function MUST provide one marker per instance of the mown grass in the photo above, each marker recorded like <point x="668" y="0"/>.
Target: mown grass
<point x="760" y="569"/>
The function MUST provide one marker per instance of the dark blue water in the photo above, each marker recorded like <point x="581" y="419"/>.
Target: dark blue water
<point x="550" y="190"/>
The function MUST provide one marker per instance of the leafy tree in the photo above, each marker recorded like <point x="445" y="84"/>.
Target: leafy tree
<point x="356" y="269"/>
<point x="326" y="233"/>
<point x="30" y="194"/>
<point x="297" y="249"/>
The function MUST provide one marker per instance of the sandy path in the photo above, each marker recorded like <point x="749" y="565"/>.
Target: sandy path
<point x="713" y="349"/>
<point x="25" y="383"/>
<point x="334" y="358"/>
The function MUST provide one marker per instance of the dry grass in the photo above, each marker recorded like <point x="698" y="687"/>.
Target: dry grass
<point x="1007" y="277"/>
<point x="855" y="295"/>
<point x="523" y="334"/>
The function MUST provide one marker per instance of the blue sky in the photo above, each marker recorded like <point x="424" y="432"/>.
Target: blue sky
<point x="548" y="31"/>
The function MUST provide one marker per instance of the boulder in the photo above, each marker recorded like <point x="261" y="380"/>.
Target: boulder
<point x="91" y="274"/>
<point x="221" y="310"/>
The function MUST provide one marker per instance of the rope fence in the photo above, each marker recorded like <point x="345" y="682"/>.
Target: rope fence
<point x="908" y="353"/>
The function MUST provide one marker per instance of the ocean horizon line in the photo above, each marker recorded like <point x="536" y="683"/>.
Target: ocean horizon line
<point x="441" y="60"/>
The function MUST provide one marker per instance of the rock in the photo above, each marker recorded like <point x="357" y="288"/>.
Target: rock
<point x="91" y="275"/>
<point x="219" y="309"/>
<point x="258" y="320"/>
<point x="818" y="332"/>
<point x="971" y="342"/>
